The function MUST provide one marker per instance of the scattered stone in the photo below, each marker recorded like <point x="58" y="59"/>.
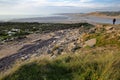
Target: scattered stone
<point x="49" y="51"/>
<point x="24" y="57"/>
<point x="58" y="51"/>
<point x="46" y="44"/>
<point x="92" y="30"/>
<point x="90" y="42"/>
<point x="109" y="28"/>
<point x="109" y="31"/>
<point x="75" y="48"/>
<point x="53" y="57"/>
<point x="34" y="55"/>
<point x="71" y="46"/>
<point x="57" y="37"/>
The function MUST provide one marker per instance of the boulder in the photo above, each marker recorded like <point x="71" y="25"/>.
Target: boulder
<point x="72" y="47"/>
<point x="109" y="28"/>
<point x="24" y="57"/>
<point x="90" y="42"/>
<point x="92" y="30"/>
<point x="58" y="50"/>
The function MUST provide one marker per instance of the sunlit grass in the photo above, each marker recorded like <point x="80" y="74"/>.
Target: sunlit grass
<point x="100" y="66"/>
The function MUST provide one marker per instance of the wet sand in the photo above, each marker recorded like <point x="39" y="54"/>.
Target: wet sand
<point x="68" y="18"/>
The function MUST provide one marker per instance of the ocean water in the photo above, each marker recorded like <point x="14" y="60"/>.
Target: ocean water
<point x="96" y="19"/>
<point x="101" y="20"/>
<point x="55" y="18"/>
<point x="10" y="17"/>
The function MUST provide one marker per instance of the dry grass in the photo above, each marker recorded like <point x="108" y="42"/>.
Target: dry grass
<point x="80" y="66"/>
<point x="99" y="63"/>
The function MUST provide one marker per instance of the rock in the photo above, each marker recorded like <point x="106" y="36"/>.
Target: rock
<point x="92" y="30"/>
<point x="57" y="50"/>
<point x="109" y="31"/>
<point x="34" y="55"/>
<point x="75" y="48"/>
<point x="71" y="46"/>
<point x="79" y="40"/>
<point x="90" y="42"/>
<point x="52" y="34"/>
<point x="118" y="34"/>
<point x="57" y="37"/>
<point x="49" y="51"/>
<point x="24" y="57"/>
<point x="109" y="28"/>
<point x="53" y="57"/>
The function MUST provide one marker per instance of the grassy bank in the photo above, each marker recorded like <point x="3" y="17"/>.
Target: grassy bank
<point x="100" y="66"/>
<point x="100" y="62"/>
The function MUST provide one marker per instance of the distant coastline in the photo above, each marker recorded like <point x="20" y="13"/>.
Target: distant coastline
<point x="105" y="14"/>
<point x="93" y="17"/>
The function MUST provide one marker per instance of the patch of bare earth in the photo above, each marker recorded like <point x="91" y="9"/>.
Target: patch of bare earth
<point x="13" y="47"/>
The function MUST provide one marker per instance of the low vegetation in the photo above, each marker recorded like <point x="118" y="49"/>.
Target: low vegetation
<point x="99" y="66"/>
<point x="99" y="62"/>
<point x="106" y="37"/>
<point x="18" y="30"/>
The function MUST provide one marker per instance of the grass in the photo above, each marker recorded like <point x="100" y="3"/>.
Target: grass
<point x="99" y="66"/>
<point x="99" y="63"/>
<point x="26" y="28"/>
<point x="103" y="38"/>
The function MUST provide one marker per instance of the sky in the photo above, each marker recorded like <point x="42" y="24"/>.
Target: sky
<point x="44" y="7"/>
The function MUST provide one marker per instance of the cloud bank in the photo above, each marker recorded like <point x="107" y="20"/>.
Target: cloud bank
<point x="16" y="7"/>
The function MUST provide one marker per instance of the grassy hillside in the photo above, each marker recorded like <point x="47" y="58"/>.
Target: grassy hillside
<point x="98" y="62"/>
<point x="99" y="66"/>
<point x="112" y="14"/>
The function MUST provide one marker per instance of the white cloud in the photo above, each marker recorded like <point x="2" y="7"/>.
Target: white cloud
<point x="86" y="0"/>
<point x="38" y="3"/>
<point x="31" y="6"/>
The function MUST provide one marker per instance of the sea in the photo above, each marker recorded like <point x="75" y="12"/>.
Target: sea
<point x="55" y="18"/>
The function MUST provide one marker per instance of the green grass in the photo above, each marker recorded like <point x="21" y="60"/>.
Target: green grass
<point x="99" y="63"/>
<point x="104" y="39"/>
<point x="26" y="28"/>
<point x="90" y="66"/>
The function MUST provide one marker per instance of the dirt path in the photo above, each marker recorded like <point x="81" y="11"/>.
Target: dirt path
<point x="13" y="47"/>
<point x="6" y="61"/>
<point x="34" y="44"/>
<point x="12" y="51"/>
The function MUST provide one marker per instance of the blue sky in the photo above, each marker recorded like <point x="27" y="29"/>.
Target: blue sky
<point x="44" y="7"/>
